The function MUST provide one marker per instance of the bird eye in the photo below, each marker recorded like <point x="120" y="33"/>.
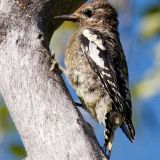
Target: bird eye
<point x="88" y="13"/>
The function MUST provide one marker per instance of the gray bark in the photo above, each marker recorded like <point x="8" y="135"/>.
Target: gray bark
<point x="50" y="126"/>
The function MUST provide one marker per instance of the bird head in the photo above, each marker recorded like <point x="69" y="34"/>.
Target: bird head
<point x="94" y="13"/>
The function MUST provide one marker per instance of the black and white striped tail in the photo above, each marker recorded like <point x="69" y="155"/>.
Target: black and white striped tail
<point x="109" y="136"/>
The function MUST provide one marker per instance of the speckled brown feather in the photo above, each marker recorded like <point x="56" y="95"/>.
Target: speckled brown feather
<point x="102" y="88"/>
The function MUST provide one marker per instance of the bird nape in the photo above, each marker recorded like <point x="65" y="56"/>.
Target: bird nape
<point x="96" y="68"/>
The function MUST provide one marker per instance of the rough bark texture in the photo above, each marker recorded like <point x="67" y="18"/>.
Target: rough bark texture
<point x="50" y="126"/>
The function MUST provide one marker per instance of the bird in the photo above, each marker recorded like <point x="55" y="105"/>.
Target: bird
<point x="96" y="67"/>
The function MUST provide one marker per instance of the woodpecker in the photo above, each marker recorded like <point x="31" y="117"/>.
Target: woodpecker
<point x="96" y="68"/>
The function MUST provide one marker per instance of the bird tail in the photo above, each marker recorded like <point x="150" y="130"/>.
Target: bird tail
<point x="109" y="136"/>
<point x="128" y="129"/>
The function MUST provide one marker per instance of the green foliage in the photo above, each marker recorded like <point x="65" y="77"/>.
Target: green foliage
<point x="6" y="128"/>
<point x="149" y="86"/>
<point x="5" y="121"/>
<point x="18" y="150"/>
<point x="150" y="25"/>
<point x="153" y="10"/>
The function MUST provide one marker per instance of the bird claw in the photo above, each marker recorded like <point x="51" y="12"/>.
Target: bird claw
<point x="54" y="64"/>
<point x="51" y="57"/>
<point x="55" y="67"/>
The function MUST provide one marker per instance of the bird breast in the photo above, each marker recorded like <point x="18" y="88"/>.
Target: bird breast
<point x="85" y="81"/>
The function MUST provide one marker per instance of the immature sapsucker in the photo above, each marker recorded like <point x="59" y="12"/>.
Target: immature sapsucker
<point x="97" y="69"/>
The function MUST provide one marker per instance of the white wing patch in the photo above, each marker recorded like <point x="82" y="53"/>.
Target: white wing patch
<point x="93" y="50"/>
<point x="93" y="38"/>
<point x="94" y="54"/>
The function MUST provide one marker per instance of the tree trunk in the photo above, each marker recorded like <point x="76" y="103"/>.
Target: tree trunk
<point x="50" y="126"/>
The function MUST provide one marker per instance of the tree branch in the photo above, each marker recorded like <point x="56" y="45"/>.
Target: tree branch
<point x="50" y="126"/>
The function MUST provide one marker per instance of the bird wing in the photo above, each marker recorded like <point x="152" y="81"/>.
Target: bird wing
<point x="107" y="60"/>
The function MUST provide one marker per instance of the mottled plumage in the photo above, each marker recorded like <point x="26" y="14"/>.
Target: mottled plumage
<point x="97" y="69"/>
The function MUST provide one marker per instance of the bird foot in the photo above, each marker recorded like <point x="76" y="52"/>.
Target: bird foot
<point x="54" y="64"/>
<point x="55" y="67"/>
<point x="51" y="57"/>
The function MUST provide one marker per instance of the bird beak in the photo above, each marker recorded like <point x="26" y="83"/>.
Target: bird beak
<point x="71" y="17"/>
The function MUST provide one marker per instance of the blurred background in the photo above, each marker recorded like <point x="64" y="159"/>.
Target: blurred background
<point x="140" y="36"/>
